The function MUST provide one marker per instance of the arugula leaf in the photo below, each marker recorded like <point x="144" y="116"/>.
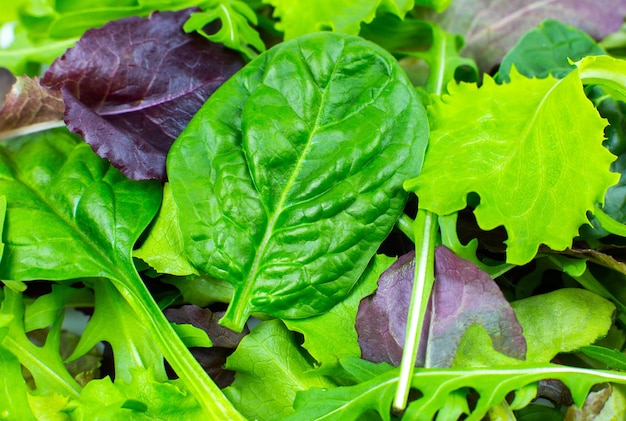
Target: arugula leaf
<point x="425" y="41"/>
<point x="13" y="390"/>
<point x="43" y="362"/>
<point x="274" y="197"/>
<point x="115" y="322"/>
<point x="28" y="107"/>
<point x="126" y="91"/>
<point x="301" y="17"/>
<point x="518" y="146"/>
<point x="88" y="217"/>
<point x="270" y="370"/>
<point x="546" y="50"/>
<point x="441" y="388"/>
<point x="235" y="31"/>
<point x="141" y="398"/>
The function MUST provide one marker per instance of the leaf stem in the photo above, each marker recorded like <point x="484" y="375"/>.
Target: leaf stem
<point x="405" y="224"/>
<point x="196" y="379"/>
<point x="424" y="228"/>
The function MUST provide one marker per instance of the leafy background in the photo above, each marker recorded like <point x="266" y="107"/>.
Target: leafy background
<point x="130" y="252"/>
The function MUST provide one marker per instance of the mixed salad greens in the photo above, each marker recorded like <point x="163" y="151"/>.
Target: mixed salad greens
<point x="331" y="210"/>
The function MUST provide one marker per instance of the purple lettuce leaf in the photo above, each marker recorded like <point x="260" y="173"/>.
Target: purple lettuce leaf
<point x="131" y="86"/>
<point x="492" y="27"/>
<point x="26" y="106"/>
<point x="224" y="340"/>
<point x="462" y="295"/>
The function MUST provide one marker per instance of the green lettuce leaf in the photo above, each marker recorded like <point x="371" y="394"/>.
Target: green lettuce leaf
<point x="274" y="196"/>
<point x="519" y="146"/>
<point x="562" y="321"/>
<point x="270" y="368"/>
<point x="299" y="17"/>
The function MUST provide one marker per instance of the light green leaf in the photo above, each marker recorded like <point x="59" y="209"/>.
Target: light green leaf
<point x="270" y="369"/>
<point x="299" y="17"/>
<point x="192" y="336"/>
<point x="24" y="55"/>
<point x="115" y="322"/>
<point x="142" y="399"/>
<point x="3" y="212"/>
<point x="520" y="147"/>
<point x="163" y="248"/>
<point x="562" y="321"/>
<point x="235" y="31"/>
<point x="274" y="197"/>
<point x="43" y="362"/>
<point x="332" y="335"/>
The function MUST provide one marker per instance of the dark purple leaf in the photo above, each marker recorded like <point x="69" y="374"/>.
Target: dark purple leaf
<point x="462" y="295"/>
<point x="131" y="86"/>
<point x="224" y="340"/>
<point x="492" y="27"/>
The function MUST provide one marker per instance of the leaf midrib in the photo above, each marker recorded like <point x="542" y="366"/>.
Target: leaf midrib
<point x="269" y="230"/>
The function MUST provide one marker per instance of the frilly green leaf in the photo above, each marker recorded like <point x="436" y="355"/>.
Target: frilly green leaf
<point x="521" y="147"/>
<point x="302" y="16"/>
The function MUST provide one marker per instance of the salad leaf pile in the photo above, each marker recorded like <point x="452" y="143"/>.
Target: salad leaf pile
<point x="385" y="210"/>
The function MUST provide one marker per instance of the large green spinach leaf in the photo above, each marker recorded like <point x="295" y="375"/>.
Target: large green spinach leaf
<point x="290" y="176"/>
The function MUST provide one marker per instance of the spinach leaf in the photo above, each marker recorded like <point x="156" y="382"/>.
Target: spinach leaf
<point x="333" y="335"/>
<point x="288" y="179"/>
<point x="546" y="50"/>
